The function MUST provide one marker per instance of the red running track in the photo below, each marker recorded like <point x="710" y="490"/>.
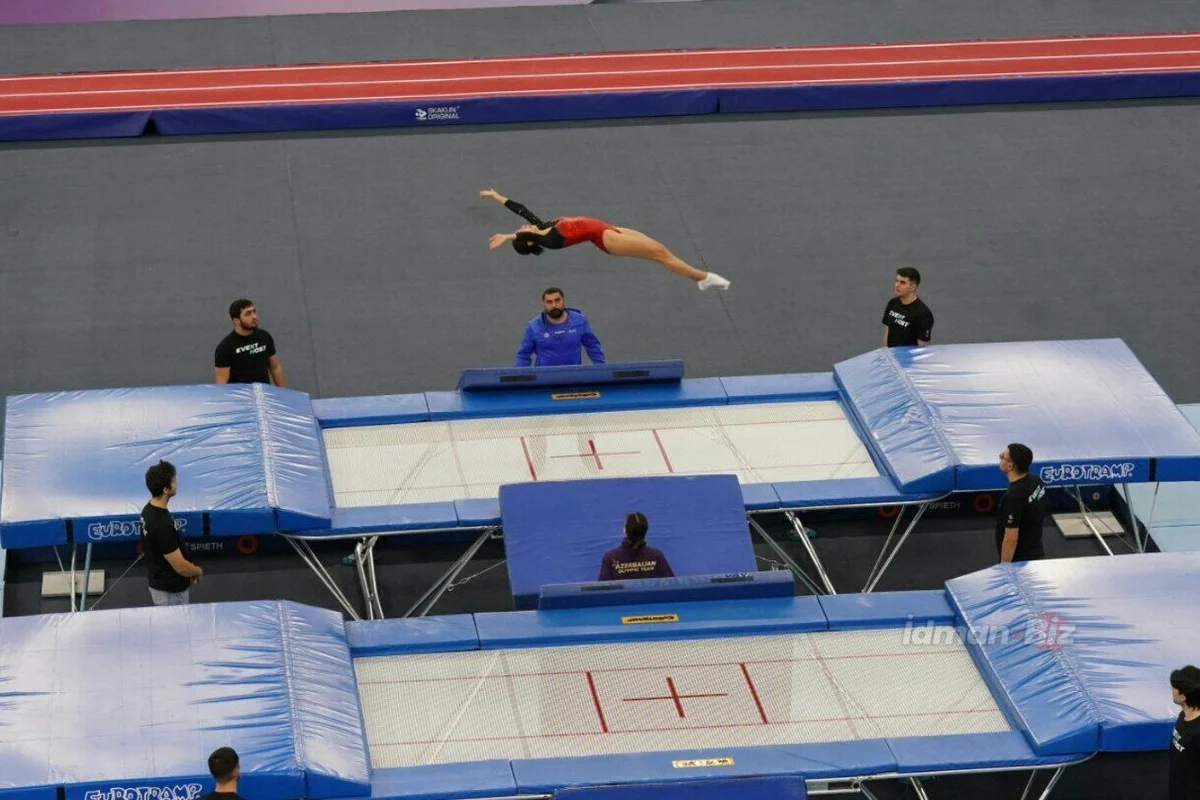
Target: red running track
<point x="611" y="72"/>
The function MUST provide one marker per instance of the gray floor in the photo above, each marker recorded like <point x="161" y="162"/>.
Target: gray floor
<point x="367" y="256"/>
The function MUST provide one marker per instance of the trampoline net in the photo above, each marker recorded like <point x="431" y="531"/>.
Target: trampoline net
<point x="670" y="695"/>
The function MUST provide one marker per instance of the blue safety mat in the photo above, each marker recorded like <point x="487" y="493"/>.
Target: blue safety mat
<point x="105" y="700"/>
<point x="249" y="457"/>
<point x="1170" y="512"/>
<point x="766" y="787"/>
<point x="939" y="416"/>
<point x="557" y="531"/>
<point x="1080" y="649"/>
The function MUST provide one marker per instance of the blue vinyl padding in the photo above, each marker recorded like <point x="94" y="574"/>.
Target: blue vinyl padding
<point x="780" y="388"/>
<point x="352" y="412"/>
<point x="902" y="94"/>
<point x="558" y="531"/>
<point x="514" y="403"/>
<point x="100" y="125"/>
<point x="735" y="586"/>
<point x="477" y="513"/>
<point x="385" y="637"/>
<point x="471" y="111"/>
<point x="760" y="497"/>
<point x="895" y="421"/>
<point x="886" y="609"/>
<point x="33" y="793"/>
<point x="294" y="464"/>
<point x="273" y="680"/>
<point x="813" y="761"/>
<point x="379" y="519"/>
<point x="837" y="492"/>
<point x="1117" y="625"/>
<point x="970" y="751"/>
<point x="696" y="620"/>
<point x="493" y="778"/>
<point x="582" y="375"/>
<point x="763" y="787"/>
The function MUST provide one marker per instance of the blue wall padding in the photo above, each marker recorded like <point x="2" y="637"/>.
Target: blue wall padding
<point x="696" y="620"/>
<point x="101" y="125"/>
<point x="891" y="414"/>
<point x="471" y="111"/>
<point x="351" y="412"/>
<point x="558" y="531"/>
<point x="807" y="386"/>
<point x="767" y="787"/>
<point x="385" y="637"/>
<point x="492" y="778"/>
<point x="735" y="586"/>
<point x="813" y="761"/>
<point x="886" y="609"/>
<point x="967" y="751"/>
<point x="589" y="375"/>
<point x="516" y="403"/>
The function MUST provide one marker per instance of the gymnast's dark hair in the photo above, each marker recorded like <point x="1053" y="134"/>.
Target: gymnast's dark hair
<point x="636" y="526"/>
<point x="528" y="243"/>
<point x="159" y="477"/>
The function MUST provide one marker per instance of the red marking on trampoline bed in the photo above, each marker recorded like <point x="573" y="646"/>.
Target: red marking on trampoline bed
<point x="921" y="651"/>
<point x="815" y="721"/>
<point x="674" y="695"/>
<point x="663" y="450"/>
<point x="596" y="702"/>
<point x="596" y="455"/>
<point x="528" y="462"/>
<point x="550" y="75"/>
<point x="754" y="693"/>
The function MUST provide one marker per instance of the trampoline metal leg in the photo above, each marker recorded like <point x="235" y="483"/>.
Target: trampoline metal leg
<point x="1087" y="519"/>
<point x="812" y="551"/>
<point x="434" y="593"/>
<point x="73" y="584"/>
<point x="784" y="556"/>
<point x="364" y="562"/>
<point x="307" y="555"/>
<point x="371" y="576"/>
<point x="1053" y="781"/>
<point x="1133" y="520"/>
<point x="873" y="578"/>
<point x="918" y="788"/>
<point x="87" y="577"/>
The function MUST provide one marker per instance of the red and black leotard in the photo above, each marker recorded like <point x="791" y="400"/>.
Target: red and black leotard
<point x="565" y="231"/>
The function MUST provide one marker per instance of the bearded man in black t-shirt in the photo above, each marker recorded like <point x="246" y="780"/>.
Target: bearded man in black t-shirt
<point x="247" y="354"/>
<point x="1022" y="508"/>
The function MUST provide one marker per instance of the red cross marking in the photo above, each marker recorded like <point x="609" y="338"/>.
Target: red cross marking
<point x="674" y="695"/>
<point x="596" y="455"/>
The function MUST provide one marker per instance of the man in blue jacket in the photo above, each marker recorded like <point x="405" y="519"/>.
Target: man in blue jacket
<point x="558" y="335"/>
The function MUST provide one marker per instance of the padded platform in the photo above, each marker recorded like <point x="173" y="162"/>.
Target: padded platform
<point x="273" y="680"/>
<point x="1080" y="650"/>
<point x="557" y="532"/>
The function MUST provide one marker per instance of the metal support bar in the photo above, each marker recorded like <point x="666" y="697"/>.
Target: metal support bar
<point x="364" y="564"/>
<point x="1138" y="544"/>
<point x="873" y="579"/>
<point x="73" y="585"/>
<point x="918" y="788"/>
<point x="786" y="557"/>
<point x="798" y="526"/>
<point x="1087" y="519"/>
<point x="891" y="535"/>
<point x="87" y="577"/>
<point x="370" y="549"/>
<point x="446" y="582"/>
<point x="1053" y="780"/>
<point x="306" y="554"/>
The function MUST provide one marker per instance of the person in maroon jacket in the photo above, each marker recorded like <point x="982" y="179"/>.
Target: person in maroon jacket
<point x="633" y="558"/>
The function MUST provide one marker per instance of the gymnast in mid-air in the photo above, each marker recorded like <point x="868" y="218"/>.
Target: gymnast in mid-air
<point x="562" y="232"/>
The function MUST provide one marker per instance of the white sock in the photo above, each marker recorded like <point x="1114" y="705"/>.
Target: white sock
<point x="712" y="280"/>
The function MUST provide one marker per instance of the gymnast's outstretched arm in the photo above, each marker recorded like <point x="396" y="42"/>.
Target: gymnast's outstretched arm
<point x="515" y="207"/>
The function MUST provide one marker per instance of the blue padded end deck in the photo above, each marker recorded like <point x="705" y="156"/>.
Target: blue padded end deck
<point x="886" y="609"/>
<point x="766" y="787"/>
<point x="492" y="778"/>
<point x="570" y="400"/>
<point x="385" y="637"/>
<point x="558" y="531"/>
<point x="734" y="586"/>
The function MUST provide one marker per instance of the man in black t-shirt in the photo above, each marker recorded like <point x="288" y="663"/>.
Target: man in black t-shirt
<point x="907" y="321"/>
<point x="1022" y="508"/>
<point x="171" y="575"/>
<point x="1183" y="781"/>
<point x="225" y="769"/>
<point x="247" y="354"/>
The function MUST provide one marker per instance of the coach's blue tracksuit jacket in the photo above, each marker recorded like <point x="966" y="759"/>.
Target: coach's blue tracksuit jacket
<point x="558" y="344"/>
